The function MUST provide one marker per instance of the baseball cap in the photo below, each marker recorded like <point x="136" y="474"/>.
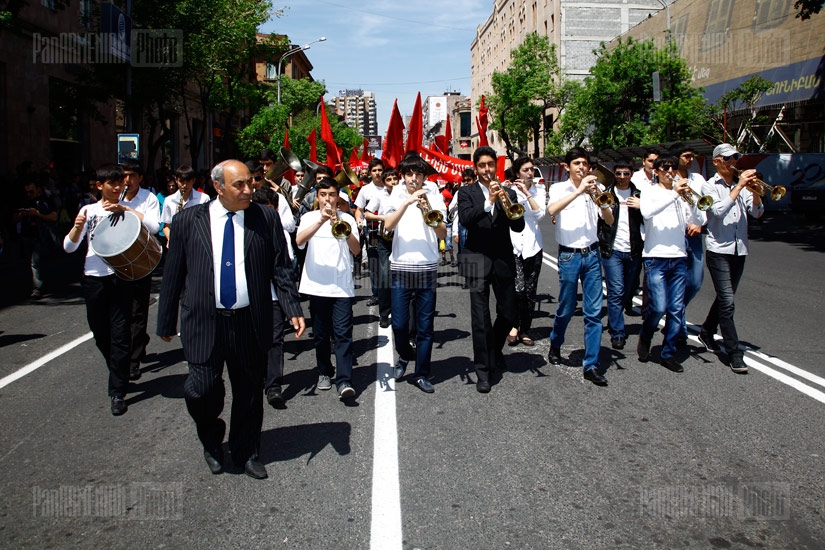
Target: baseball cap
<point x="724" y="150"/>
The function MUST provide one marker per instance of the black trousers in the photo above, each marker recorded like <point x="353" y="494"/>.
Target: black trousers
<point x="204" y="390"/>
<point x="489" y="337"/>
<point x="109" y="312"/>
<point x="725" y="272"/>
<point x="140" y="319"/>
<point x="275" y="356"/>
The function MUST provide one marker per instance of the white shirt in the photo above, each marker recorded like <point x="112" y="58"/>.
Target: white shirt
<point x="695" y="182"/>
<point x="170" y="205"/>
<point x="217" y="222"/>
<point x="640" y="179"/>
<point x="288" y="223"/>
<point x="665" y="214"/>
<point x="727" y="218"/>
<point x="528" y="242"/>
<point x="366" y="193"/>
<point x="621" y="243"/>
<point x="147" y="204"/>
<point x="380" y="202"/>
<point x="576" y="224"/>
<point x="415" y="245"/>
<point x="328" y="264"/>
<point x="94" y="266"/>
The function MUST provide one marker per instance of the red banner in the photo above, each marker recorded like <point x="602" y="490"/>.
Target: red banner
<point x="449" y="168"/>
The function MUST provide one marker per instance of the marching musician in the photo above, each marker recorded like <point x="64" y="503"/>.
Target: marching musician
<point x="414" y="267"/>
<point x="727" y="246"/>
<point x="185" y="197"/>
<point x="145" y="203"/>
<point x="108" y="298"/>
<point x="327" y="280"/>
<point x="376" y="210"/>
<point x="375" y="187"/>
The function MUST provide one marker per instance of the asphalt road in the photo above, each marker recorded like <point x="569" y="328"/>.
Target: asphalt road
<point x="702" y="459"/>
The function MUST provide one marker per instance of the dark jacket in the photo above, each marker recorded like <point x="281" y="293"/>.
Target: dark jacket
<point x="607" y="233"/>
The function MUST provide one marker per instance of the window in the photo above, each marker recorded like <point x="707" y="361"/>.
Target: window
<point x="465" y="130"/>
<point x="716" y="24"/>
<point x="770" y="13"/>
<point x="271" y="71"/>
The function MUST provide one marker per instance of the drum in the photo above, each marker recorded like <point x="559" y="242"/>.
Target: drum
<point x="126" y="245"/>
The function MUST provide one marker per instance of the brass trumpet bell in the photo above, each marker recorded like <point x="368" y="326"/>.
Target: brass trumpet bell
<point x="340" y="229"/>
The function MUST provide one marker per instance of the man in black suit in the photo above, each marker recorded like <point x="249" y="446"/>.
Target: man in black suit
<point x="487" y="260"/>
<point x="223" y="258"/>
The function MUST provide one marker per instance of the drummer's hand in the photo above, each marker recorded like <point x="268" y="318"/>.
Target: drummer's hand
<point x="166" y="338"/>
<point x="80" y="220"/>
<point x="299" y="324"/>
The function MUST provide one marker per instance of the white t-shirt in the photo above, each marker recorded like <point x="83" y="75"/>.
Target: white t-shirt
<point x="665" y="215"/>
<point x="415" y="245"/>
<point x="697" y="217"/>
<point x="328" y="264"/>
<point x="576" y="225"/>
<point x="366" y="193"/>
<point x="170" y="205"/>
<point x="147" y="204"/>
<point x="94" y="266"/>
<point x="622" y="241"/>
<point x="640" y="179"/>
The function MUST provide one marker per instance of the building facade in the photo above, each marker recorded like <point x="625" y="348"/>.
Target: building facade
<point x="458" y="108"/>
<point x="575" y="27"/>
<point x="725" y="42"/>
<point x="358" y="109"/>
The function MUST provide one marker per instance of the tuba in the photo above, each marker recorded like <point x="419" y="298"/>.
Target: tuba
<point x="289" y="161"/>
<point x="514" y="211"/>
<point x="347" y="177"/>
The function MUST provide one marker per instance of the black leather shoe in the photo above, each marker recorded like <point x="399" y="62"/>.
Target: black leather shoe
<point x="422" y="384"/>
<point x="134" y="372"/>
<point x="594" y="376"/>
<point x="672" y="364"/>
<point x="554" y="357"/>
<point x="707" y="340"/>
<point x="643" y="350"/>
<point x="483" y="386"/>
<point x="118" y="406"/>
<point x="632" y="313"/>
<point x="384" y="322"/>
<point x="617" y="342"/>
<point x="274" y="396"/>
<point x="214" y="459"/>
<point x="255" y="469"/>
<point x="373" y="301"/>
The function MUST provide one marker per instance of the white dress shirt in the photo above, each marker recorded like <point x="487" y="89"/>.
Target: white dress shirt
<point x="528" y="242"/>
<point x="147" y="204"/>
<point x="217" y="222"/>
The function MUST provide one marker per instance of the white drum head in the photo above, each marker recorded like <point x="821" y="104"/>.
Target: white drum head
<point x="110" y="239"/>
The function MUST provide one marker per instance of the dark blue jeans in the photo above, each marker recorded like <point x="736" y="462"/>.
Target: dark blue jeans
<point x="725" y="272"/>
<point x="620" y="277"/>
<point x="695" y="272"/>
<point x="332" y="318"/>
<point x="418" y="287"/>
<point x="665" y="279"/>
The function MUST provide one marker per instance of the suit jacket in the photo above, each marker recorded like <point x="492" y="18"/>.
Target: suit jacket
<point x="189" y="270"/>
<point x="488" y="246"/>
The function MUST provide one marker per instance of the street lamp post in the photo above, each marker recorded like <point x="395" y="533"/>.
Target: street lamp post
<point x="288" y="53"/>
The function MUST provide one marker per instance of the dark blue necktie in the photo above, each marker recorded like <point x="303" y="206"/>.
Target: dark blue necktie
<point x="228" y="264"/>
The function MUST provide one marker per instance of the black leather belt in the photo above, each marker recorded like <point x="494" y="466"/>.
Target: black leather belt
<point x="592" y="248"/>
<point x="231" y="312"/>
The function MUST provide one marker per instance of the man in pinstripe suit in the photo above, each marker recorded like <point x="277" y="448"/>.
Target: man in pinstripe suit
<point x="222" y="262"/>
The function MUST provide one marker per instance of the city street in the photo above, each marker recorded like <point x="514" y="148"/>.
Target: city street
<point x="700" y="459"/>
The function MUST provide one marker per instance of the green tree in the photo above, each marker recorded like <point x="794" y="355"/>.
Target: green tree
<point x="615" y="108"/>
<point x="744" y="98"/>
<point x="523" y="92"/>
<point x="807" y="8"/>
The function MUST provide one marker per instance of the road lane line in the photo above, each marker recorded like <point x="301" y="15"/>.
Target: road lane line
<point x="385" y="530"/>
<point x="31" y="367"/>
<point x="552" y="262"/>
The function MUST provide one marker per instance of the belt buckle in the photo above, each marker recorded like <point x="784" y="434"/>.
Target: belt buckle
<point x="226" y="312"/>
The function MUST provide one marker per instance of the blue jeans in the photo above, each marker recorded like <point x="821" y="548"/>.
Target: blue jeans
<point x="695" y="273"/>
<point x="620" y="277"/>
<point x="332" y="318"/>
<point x="420" y="287"/>
<point x="588" y="268"/>
<point x="665" y="279"/>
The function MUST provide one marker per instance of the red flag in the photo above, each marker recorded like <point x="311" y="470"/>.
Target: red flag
<point x="394" y="143"/>
<point x="415" y="133"/>
<point x="353" y="157"/>
<point x="442" y="144"/>
<point x="289" y="174"/>
<point x="313" y="146"/>
<point x="333" y="154"/>
<point x="448" y="133"/>
<point x="481" y="122"/>
<point x="365" y="154"/>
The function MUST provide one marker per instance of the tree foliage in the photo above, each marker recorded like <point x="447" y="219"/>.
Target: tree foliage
<point x="615" y="106"/>
<point x="807" y="8"/>
<point x="523" y="92"/>
<point x="744" y="98"/>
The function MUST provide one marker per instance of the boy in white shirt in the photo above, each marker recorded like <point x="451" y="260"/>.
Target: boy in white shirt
<point x="665" y="258"/>
<point x="376" y="210"/>
<point x="327" y="280"/>
<point x="185" y="197"/>
<point x="414" y="267"/>
<point x="108" y="298"/>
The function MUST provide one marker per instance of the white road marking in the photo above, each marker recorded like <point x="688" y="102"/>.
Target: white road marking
<point x="31" y="367"/>
<point x="385" y="530"/>
<point x="750" y="355"/>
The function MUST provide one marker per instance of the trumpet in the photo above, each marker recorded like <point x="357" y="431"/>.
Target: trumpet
<point x="606" y="178"/>
<point x="431" y="217"/>
<point x="514" y="211"/>
<point x="340" y="229"/>
<point x="702" y="202"/>
<point x="761" y="188"/>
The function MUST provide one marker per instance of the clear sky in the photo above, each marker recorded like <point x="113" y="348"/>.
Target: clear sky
<point x="393" y="48"/>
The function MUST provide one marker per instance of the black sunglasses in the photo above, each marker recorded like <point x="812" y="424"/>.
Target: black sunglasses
<point x="666" y="167"/>
<point x="735" y="156"/>
<point x="622" y="173"/>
